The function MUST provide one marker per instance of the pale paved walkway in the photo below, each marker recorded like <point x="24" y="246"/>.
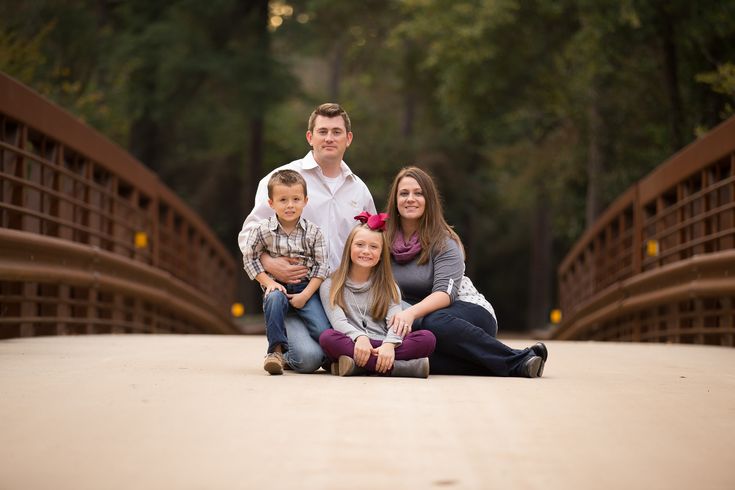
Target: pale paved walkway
<point x="197" y="412"/>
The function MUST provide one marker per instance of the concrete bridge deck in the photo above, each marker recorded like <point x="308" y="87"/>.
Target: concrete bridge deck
<point x="198" y="412"/>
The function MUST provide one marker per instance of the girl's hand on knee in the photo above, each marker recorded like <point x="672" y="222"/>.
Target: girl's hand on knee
<point x="363" y="348"/>
<point x="386" y="355"/>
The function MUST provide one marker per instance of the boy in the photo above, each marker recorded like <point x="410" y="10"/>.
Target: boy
<point x="289" y="235"/>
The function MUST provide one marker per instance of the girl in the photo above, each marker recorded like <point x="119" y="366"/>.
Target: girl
<point x="360" y="298"/>
<point x="428" y="263"/>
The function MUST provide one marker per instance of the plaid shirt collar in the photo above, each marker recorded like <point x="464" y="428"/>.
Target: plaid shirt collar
<point x="274" y="224"/>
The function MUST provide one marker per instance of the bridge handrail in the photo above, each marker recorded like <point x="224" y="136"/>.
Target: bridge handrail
<point x="62" y="179"/>
<point x="152" y="293"/>
<point x="683" y="209"/>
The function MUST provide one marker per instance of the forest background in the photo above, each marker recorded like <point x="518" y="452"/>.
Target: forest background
<point x="532" y="115"/>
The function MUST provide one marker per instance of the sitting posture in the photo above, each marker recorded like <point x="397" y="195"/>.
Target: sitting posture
<point x="360" y="299"/>
<point x="428" y="264"/>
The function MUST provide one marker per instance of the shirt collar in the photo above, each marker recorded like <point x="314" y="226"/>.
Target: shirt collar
<point x="273" y="223"/>
<point x="309" y="164"/>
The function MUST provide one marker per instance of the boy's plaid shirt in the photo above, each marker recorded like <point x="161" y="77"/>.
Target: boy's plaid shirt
<point x="306" y="243"/>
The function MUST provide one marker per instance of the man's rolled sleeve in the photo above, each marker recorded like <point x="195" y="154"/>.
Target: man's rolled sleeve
<point x="261" y="210"/>
<point x="253" y="247"/>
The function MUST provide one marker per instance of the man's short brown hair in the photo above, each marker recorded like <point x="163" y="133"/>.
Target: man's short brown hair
<point x="287" y="178"/>
<point x="330" y="109"/>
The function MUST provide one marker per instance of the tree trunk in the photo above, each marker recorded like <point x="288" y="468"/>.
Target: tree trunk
<point x="145" y="141"/>
<point x="595" y="164"/>
<point x="410" y="80"/>
<point x="409" y="113"/>
<point x="540" y="274"/>
<point x="254" y="172"/>
<point x="255" y="168"/>
<point x="671" y="74"/>
<point x="335" y="72"/>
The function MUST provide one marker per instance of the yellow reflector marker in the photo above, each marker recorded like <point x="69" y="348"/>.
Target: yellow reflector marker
<point x="237" y="310"/>
<point x="141" y="239"/>
<point x="652" y="248"/>
<point x="555" y="316"/>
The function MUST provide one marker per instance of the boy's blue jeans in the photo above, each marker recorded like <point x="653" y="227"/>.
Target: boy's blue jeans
<point x="276" y="306"/>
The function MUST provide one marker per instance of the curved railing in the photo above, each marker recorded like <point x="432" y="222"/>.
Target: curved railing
<point x="659" y="264"/>
<point x="91" y="241"/>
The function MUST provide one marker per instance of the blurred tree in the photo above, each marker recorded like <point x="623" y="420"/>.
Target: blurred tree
<point x="533" y="116"/>
<point x="548" y="99"/>
<point x="496" y="86"/>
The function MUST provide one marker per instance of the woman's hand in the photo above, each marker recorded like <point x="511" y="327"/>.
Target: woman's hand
<point x="284" y="269"/>
<point x="401" y="323"/>
<point x="386" y="355"/>
<point x="363" y="349"/>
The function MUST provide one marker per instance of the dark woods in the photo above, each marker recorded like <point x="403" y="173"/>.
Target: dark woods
<point x="533" y="116"/>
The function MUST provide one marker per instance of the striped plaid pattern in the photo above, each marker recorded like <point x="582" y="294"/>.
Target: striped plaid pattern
<point x="305" y="243"/>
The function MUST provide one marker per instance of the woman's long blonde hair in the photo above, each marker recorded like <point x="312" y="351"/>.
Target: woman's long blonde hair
<point x="383" y="291"/>
<point x="433" y="228"/>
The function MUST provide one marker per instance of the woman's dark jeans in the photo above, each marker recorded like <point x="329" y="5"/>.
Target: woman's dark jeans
<point x="466" y="343"/>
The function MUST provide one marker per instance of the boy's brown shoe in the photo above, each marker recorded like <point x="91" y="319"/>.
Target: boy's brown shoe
<point x="273" y="363"/>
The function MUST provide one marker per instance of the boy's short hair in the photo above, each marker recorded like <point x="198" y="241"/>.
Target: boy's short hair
<point x="329" y="109"/>
<point x="287" y="178"/>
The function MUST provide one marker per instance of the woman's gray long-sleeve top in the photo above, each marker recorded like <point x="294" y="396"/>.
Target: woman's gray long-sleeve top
<point x="443" y="272"/>
<point x="356" y="320"/>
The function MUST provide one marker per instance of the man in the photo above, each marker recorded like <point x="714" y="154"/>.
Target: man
<point x="336" y="196"/>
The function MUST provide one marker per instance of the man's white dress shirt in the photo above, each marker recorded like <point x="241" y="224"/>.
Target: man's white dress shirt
<point x="333" y="211"/>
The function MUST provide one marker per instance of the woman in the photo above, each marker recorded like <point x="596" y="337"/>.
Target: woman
<point x="428" y="265"/>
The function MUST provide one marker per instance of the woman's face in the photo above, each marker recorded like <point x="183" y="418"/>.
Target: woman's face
<point x="410" y="199"/>
<point x="366" y="248"/>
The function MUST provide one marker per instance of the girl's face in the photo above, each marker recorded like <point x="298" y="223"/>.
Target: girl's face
<point x="410" y="199"/>
<point x="366" y="248"/>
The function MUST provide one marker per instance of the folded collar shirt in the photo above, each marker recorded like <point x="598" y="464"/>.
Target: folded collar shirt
<point x="333" y="211"/>
<point x="305" y="243"/>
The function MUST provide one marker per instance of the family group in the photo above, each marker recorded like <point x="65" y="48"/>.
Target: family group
<point x="373" y="293"/>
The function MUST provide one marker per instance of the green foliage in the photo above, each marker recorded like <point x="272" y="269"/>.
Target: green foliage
<point x="504" y="101"/>
<point x="722" y="81"/>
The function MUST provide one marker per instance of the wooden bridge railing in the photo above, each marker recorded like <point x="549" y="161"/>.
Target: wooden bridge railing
<point x="659" y="264"/>
<point x="91" y="241"/>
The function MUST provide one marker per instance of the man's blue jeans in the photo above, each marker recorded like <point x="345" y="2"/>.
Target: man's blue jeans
<point x="299" y="334"/>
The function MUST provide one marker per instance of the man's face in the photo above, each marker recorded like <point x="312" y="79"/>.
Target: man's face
<point x="288" y="202"/>
<point x="329" y="140"/>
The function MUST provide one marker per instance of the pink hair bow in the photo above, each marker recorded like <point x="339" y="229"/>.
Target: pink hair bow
<point x="375" y="222"/>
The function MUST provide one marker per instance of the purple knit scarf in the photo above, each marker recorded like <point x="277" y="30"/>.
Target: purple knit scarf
<point x="404" y="252"/>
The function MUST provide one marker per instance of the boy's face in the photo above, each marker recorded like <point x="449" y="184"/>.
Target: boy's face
<point x="288" y="202"/>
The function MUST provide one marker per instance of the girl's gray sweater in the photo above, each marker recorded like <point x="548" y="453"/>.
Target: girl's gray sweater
<point x="356" y="320"/>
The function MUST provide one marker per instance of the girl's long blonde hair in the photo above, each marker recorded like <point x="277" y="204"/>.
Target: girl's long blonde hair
<point x="433" y="228"/>
<point x="384" y="290"/>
